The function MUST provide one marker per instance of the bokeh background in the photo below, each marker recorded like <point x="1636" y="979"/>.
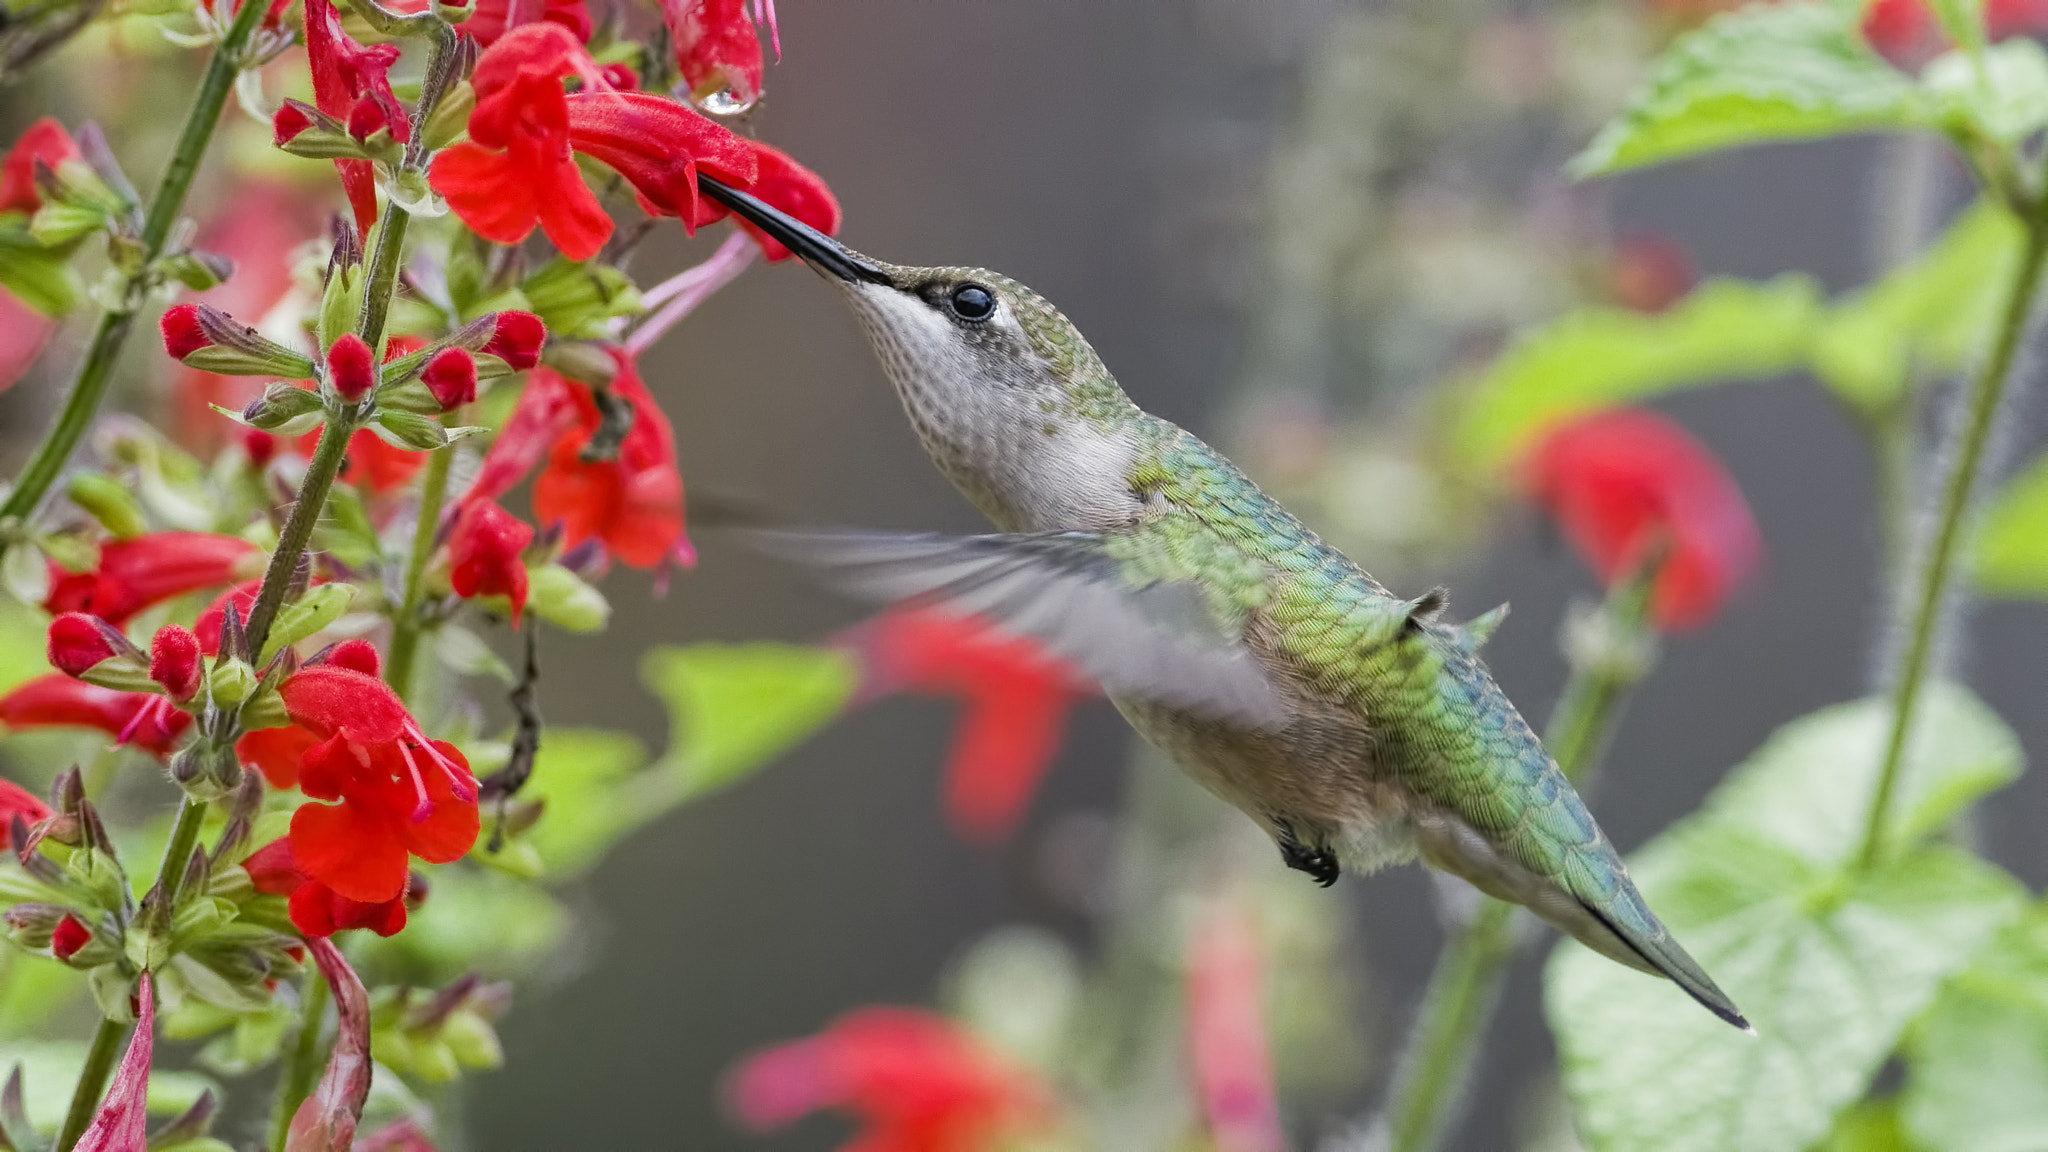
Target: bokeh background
<point x="1279" y="221"/>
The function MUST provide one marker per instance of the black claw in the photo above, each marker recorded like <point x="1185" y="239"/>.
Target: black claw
<point x="1319" y="863"/>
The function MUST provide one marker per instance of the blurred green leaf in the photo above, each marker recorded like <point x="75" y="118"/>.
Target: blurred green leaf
<point x="1761" y="73"/>
<point x="1935" y="308"/>
<point x="1978" y="1061"/>
<point x="578" y="300"/>
<point x="32" y="990"/>
<point x="473" y="918"/>
<point x="596" y="790"/>
<point x="1597" y="356"/>
<point x="2012" y="544"/>
<point x="40" y="276"/>
<point x="2001" y="92"/>
<point x="1829" y="963"/>
<point x="734" y="707"/>
<point x="1872" y="1126"/>
<point x="1829" y="981"/>
<point x="22" y="630"/>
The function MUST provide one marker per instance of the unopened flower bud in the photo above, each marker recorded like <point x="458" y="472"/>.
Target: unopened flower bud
<point x="451" y="376"/>
<point x="32" y="925"/>
<point x="516" y="338"/>
<point x="90" y="649"/>
<point x="351" y="367"/>
<point x="109" y="501"/>
<point x="203" y="336"/>
<point x="354" y="654"/>
<point x="410" y="430"/>
<point x="68" y="937"/>
<point x="284" y="408"/>
<point x="206" y="772"/>
<point x="583" y="360"/>
<point x="231" y="682"/>
<point x="174" y="661"/>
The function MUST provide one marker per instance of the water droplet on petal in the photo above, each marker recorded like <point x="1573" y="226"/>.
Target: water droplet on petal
<point x="725" y="102"/>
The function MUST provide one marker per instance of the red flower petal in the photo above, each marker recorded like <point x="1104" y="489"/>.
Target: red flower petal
<point x="658" y="145"/>
<point x="276" y="752"/>
<point x="450" y="826"/>
<point x="796" y="190"/>
<point x="352" y="847"/>
<point x="546" y="410"/>
<point x="45" y="140"/>
<point x="633" y="503"/>
<point x="18" y="801"/>
<point x="717" y="48"/>
<point x="70" y="935"/>
<point x="144" y="570"/>
<point x="484" y="554"/>
<point x="58" y="700"/>
<point x="493" y="18"/>
<point x="331" y="700"/>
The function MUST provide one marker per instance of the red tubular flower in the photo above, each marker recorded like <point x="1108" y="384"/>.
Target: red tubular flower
<point x="546" y="410"/>
<point x="789" y="186"/>
<point x="717" y="48"/>
<point x="1227" y="1042"/>
<point x="122" y="1121"/>
<point x="315" y="908"/>
<point x="398" y="1136"/>
<point x="143" y="570"/>
<point x="918" y="1082"/>
<point x="174" y="661"/>
<point x="45" y="140"/>
<point x="70" y="935"/>
<point x="24" y="332"/>
<point x="2006" y="18"/>
<point x="399" y="792"/>
<point x="1624" y="480"/>
<point x="276" y="752"/>
<point x="484" y="554"/>
<point x="346" y="75"/>
<point x="451" y="377"/>
<point x="633" y="503"/>
<point x="493" y="18"/>
<point x="1909" y="34"/>
<point x="516" y="170"/>
<point x="56" y="700"/>
<point x="1016" y="694"/>
<point x="17" y="801"/>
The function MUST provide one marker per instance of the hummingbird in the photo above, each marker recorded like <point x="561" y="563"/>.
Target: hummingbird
<point x="1357" y="728"/>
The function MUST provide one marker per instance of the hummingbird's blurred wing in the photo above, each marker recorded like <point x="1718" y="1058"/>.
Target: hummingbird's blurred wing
<point x="1118" y="618"/>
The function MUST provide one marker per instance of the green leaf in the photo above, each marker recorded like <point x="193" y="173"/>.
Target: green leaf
<point x="1961" y="20"/>
<point x="40" y="276"/>
<point x="1978" y="1061"/>
<point x="2012" y="544"/>
<point x="1808" y="789"/>
<point x="1830" y="963"/>
<point x="597" y="790"/>
<point x="1765" y="72"/>
<point x="1597" y="356"/>
<point x="732" y="708"/>
<point x="1829" y="984"/>
<point x="473" y="918"/>
<point x="1872" y="1126"/>
<point x="1932" y="312"/>
<point x="2001" y="92"/>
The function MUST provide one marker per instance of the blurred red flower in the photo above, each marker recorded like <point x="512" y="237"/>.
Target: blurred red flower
<point x="1016" y="696"/>
<point x="1909" y="34"/>
<point x="45" y="140"/>
<point x="17" y="801"/>
<point x="917" y="1081"/>
<point x="484" y="551"/>
<point x="1227" y="1042"/>
<point x="631" y="502"/>
<point x="717" y="48"/>
<point x="56" y="700"/>
<point x="1649" y="273"/>
<point x="516" y="170"/>
<point x="493" y="18"/>
<point x="1623" y="480"/>
<point x="24" y="332"/>
<point x="140" y="571"/>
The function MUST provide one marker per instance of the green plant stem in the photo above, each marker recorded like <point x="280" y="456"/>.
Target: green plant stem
<point x="405" y="630"/>
<point x="384" y="266"/>
<point x="298" y="529"/>
<point x="1465" y="985"/>
<point x="99" y="1059"/>
<point x="96" y="370"/>
<point x="1930" y="580"/>
<point x="295" y="1081"/>
<point x="99" y="1065"/>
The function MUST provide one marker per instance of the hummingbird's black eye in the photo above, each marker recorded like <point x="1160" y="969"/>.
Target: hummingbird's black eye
<point x="972" y="302"/>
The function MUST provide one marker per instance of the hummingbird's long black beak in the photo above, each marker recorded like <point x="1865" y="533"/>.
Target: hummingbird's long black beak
<point x="817" y="249"/>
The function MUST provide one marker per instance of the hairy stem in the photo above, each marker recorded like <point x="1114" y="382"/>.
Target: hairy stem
<point x="1465" y="985"/>
<point x="298" y="529"/>
<point x="405" y="628"/>
<point x="1927" y="584"/>
<point x="96" y="370"/>
<point x="302" y="1065"/>
<point x="178" y="853"/>
<point x="85" y="1099"/>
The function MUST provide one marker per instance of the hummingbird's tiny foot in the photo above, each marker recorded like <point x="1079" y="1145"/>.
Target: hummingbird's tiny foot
<point x="1319" y="863"/>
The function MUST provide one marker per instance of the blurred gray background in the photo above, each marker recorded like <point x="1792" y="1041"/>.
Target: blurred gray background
<point x="1113" y="156"/>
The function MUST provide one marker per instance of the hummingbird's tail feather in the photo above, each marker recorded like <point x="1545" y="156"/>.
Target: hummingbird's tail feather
<point x="1662" y="954"/>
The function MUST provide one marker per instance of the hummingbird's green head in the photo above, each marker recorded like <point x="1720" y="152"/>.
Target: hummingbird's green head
<point x="1003" y="390"/>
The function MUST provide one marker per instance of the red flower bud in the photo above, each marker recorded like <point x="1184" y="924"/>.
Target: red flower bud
<point x="365" y="118"/>
<point x="517" y="340"/>
<point x="45" y="140"/>
<point x="290" y="120"/>
<point x="183" y="334"/>
<point x="620" y="77"/>
<point x="484" y="554"/>
<point x="351" y="368"/>
<point x="174" y="661"/>
<point x="70" y="935"/>
<point x="77" y="642"/>
<point x="451" y="377"/>
<point x="260" y="446"/>
<point x="355" y="655"/>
